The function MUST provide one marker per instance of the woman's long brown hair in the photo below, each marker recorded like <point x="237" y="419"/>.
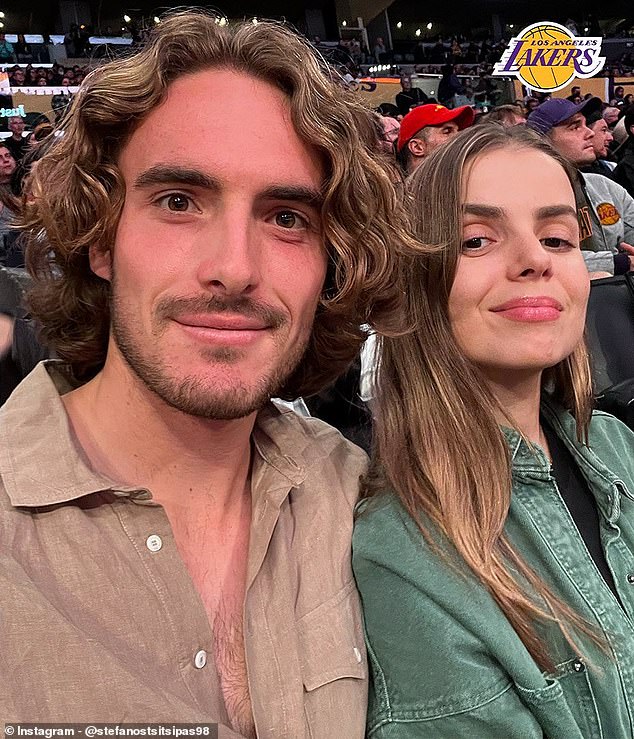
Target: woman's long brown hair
<point x="438" y="443"/>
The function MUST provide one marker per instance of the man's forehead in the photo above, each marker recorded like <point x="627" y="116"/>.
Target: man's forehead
<point x="576" y="118"/>
<point x="237" y="126"/>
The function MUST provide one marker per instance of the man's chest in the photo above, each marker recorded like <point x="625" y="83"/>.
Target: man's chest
<point x="216" y="559"/>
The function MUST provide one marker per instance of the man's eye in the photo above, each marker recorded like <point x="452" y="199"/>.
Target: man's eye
<point x="176" y="202"/>
<point x="289" y="220"/>
<point x="477" y="242"/>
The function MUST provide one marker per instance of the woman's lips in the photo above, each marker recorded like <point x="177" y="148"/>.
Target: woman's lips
<point x="530" y="309"/>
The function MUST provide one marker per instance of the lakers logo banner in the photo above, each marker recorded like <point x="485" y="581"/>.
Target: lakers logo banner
<point x="546" y="56"/>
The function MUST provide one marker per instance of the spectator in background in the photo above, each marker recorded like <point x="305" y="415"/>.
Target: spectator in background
<point x="607" y="223"/>
<point x="18" y="77"/>
<point x="72" y="41"/>
<point x="624" y="172"/>
<point x="409" y="96"/>
<point x="380" y="51"/>
<point x="619" y="93"/>
<point x="426" y="128"/>
<point x="507" y="115"/>
<point x="448" y="86"/>
<point x="575" y="92"/>
<point x="611" y="116"/>
<point x="7" y="164"/>
<point x="16" y="143"/>
<point x="531" y="104"/>
<point x="600" y="143"/>
<point x="23" y="50"/>
<point x="6" y="50"/>
<point x="7" y="169"/>
<point x="59" y="104"/>
<point x="31" y="77"/>
<point x="486" y="90"/>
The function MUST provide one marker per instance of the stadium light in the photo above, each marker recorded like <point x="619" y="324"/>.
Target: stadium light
<point x="344" y="23"/>
<point x="418" y="31"/>
<point x="254" y="21"/>
<point x="127" y="18"/>
<point x="1" y="14"/>
<point x="429" y="26"/>
<point x="399" y="25"/>
<point x="511" y="26"/>
<point x="223" y="21"/>
<point x="1" y="24"/>
<point x="157" y="19"/>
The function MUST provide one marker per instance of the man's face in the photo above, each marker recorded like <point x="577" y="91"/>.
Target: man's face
<point x="391" y="128"/>
<point x="611" y="115"/>
<point x="602" y="137"/>
<point x="218" y="262"/>
<point x="406" y="83"/>
<point x="573" y="140"/>
<point x="7" y="165"/>
<point x="18" y="76"/>
<point x="16" y="125"/>
<point x="437" y="136"/>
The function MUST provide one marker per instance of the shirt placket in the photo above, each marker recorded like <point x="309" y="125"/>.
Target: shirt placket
<point x="188" y="635"/>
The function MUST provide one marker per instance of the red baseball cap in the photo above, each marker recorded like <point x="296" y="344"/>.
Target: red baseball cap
<point x="432" y="115"/>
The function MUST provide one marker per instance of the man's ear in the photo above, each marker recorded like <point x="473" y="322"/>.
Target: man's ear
<point x="417" y="147"/>
<point x="101" y="262"/>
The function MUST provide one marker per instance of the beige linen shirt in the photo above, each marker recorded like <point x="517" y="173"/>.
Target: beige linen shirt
<point x="100" y="621"/>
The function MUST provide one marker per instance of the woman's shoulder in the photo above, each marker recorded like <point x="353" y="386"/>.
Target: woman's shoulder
<point x="388" y="538"/>
<point x="383" y="521"/>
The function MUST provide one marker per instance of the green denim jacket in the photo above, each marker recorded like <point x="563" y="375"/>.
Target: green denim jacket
<point x="445" y="661"/>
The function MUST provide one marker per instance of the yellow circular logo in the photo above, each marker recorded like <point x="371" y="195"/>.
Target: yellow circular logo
<point x="547" y="77"/>
<point x="608" y="214"/>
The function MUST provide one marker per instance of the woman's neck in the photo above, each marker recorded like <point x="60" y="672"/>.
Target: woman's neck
<point x="519" y="397"/>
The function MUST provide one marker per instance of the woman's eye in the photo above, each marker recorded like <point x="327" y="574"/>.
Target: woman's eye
<point x="477" y="242"/>
<point x="289" y="220"/>
<point x="176" y="202"/>
<point x="554" y="242"/>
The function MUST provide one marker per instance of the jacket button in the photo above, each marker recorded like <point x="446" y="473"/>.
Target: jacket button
<point x="630" y="578"/>
<point x="578" y="666"/>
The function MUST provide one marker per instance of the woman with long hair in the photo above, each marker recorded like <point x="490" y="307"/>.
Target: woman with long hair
<point x="495" y="550"/>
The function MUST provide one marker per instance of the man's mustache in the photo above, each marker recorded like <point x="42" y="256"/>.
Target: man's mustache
<point x="241" y="305"/>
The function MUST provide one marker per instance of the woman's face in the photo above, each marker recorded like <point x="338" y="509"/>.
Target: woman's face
<point x="518" y="301"/>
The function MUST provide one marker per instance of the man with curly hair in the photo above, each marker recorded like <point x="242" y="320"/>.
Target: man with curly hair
<point x="176" y="547"/>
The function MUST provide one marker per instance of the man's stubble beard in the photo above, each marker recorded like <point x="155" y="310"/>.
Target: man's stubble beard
<point x="196" y="396"/>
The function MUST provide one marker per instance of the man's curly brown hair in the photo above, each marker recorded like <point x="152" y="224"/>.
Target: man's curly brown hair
<point x="76" y="192"/>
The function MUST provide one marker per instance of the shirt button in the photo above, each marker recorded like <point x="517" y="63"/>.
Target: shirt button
<point x="630" y="578"/>
<point x="154" y="543"/>
<point x="200" y="659"/>
<point x="578" y="666"/>
<point x="357" y="654"/>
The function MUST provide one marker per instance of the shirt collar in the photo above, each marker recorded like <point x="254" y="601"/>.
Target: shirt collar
<point x="42" y="464"/>
<point x="528" y="458"/>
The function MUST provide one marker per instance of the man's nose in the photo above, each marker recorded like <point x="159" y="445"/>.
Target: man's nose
<point x="230" y="256"/>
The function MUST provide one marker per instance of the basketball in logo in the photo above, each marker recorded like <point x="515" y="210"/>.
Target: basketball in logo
<point x="547" y="35"/>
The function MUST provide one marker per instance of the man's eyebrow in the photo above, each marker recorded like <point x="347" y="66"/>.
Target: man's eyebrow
<point x="165" y="174"/>
<point x="294" y="193"/>
<point x="484" y="211"/>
